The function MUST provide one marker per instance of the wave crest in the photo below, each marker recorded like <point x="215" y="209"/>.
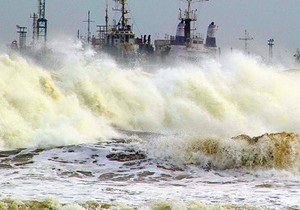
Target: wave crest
<point x="278" y="150"/>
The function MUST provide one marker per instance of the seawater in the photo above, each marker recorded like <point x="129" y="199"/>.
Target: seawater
<point x="219" y="134"/>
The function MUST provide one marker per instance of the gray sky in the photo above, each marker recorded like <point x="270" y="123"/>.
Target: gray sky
<point x="264" y="19"/>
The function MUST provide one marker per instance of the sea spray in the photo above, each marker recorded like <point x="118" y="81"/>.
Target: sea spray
<point x="279" y="151"/>
<point x="35" y="112"/>
<point x="240" y="96"/>
<point x="236" y="95"/>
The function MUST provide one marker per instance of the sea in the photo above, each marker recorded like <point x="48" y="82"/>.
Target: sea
<point x="88" y="133"/>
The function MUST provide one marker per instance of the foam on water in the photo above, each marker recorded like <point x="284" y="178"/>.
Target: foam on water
<point x="80" y="101"/>
<point x="113" y="173"/>
<point x="280" y="151"/>
<point x="193" y="152"/>
<point x="155" y="205"/>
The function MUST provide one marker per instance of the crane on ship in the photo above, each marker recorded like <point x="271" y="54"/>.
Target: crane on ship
<point x="39" y="25"/>
<point x="42" y="22"/>
<point x="39" y="31"/>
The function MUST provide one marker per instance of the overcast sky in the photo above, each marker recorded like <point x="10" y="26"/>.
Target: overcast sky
<point x="264" y="19"/>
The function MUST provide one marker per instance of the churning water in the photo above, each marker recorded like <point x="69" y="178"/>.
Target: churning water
<point x="91" y="134"/>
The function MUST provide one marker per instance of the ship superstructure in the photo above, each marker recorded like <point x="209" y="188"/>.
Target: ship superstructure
<point x="119" y="39"/>
<point x="188" y="43"/>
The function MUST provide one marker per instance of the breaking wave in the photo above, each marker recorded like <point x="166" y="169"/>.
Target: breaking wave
<point x="89" y="95"/>
<point x="280" y="151"/>
<point x="35" y="111"/>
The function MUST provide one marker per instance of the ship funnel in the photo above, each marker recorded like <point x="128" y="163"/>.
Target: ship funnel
<point x="211" y="37"/>
<point x="180" y="37"/>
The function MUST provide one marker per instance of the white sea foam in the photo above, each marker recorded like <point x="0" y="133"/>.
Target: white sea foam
<point x="36" y="112"/>
<point x="81" y="100"/>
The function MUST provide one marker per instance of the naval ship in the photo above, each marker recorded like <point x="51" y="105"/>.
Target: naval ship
<point x="120" y="41"/>
<point x="188" y="43"/>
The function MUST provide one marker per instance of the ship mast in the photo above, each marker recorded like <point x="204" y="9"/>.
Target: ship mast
<point x="188" y="12"/>
<point x="89" y="21"/>
<point x="189" y="16"/>
<point x="246" y="38"/>
<point x="34" y="28"/>
<point x="123" y="11"/>
<point x="106" y="17"/>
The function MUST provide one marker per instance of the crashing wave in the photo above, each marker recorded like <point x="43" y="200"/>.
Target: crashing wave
<point x="278" y="150"/>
